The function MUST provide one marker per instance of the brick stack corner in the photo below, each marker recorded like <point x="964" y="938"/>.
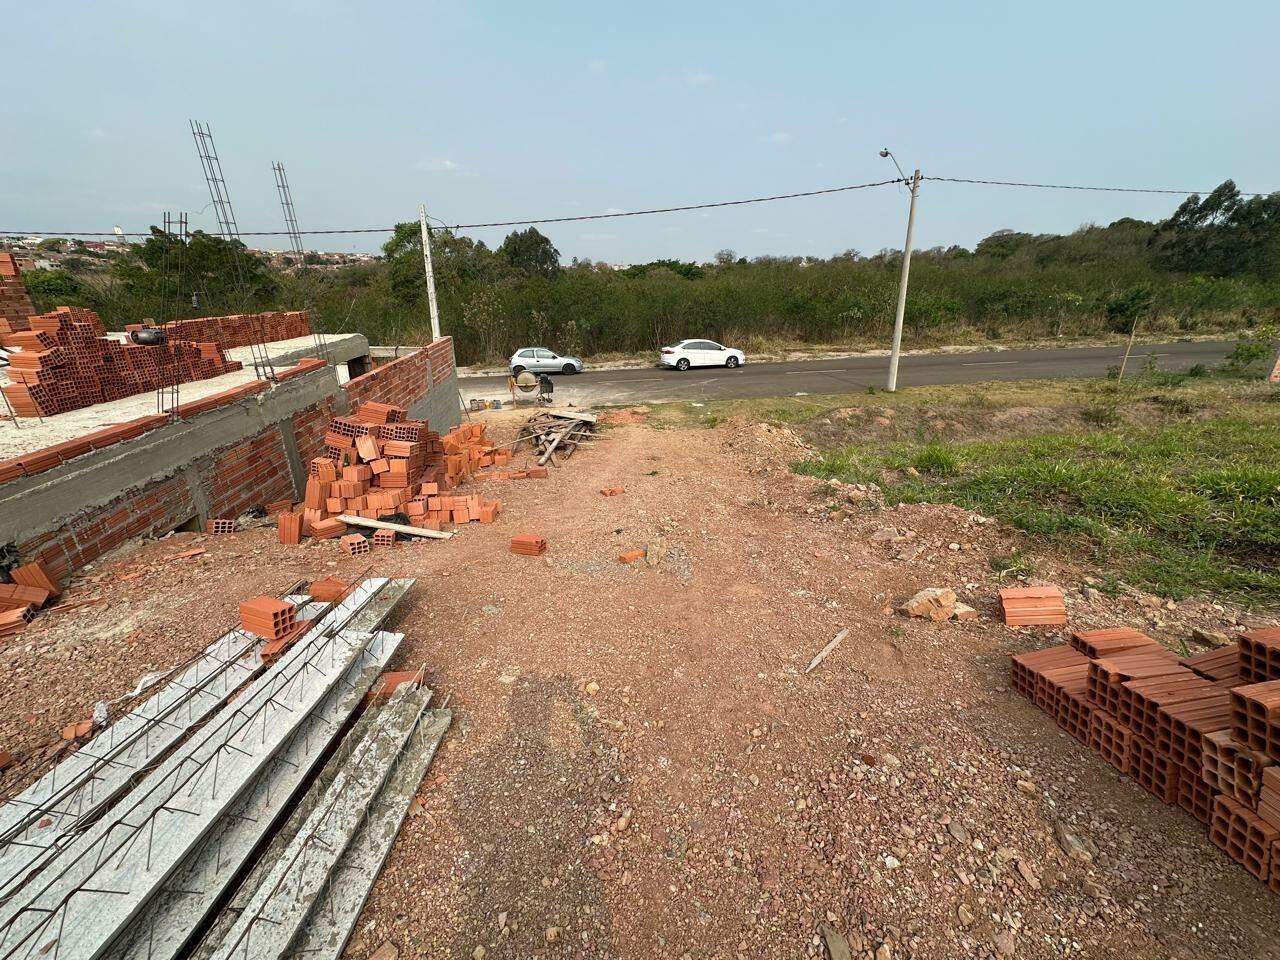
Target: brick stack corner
<point x="1201" y="732"/>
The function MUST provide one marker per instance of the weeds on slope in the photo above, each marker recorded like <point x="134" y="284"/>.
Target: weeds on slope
<point x="1176" y="506"/>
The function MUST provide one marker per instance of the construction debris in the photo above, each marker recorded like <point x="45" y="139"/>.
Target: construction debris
<point x="935" y="603"/>
<point x="1193" y="732"/>
<point x="389" y="527"/>
<point x="560" y="432"/>
<point x="825" y="651"/>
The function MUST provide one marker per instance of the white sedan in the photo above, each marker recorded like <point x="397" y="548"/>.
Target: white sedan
<point x="700" y="353"/>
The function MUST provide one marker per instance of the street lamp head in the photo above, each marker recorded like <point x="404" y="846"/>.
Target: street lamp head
<point x="884" y="152"/>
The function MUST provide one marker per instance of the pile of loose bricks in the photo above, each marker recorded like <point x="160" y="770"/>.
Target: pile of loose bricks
<point x="33" y="586"/>
<point x="379" y="465"/>
<point x="65" y="361"/>
<point x="1202" y="732"/>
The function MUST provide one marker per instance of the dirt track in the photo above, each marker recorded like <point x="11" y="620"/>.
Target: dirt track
<point x="639" y="766"/>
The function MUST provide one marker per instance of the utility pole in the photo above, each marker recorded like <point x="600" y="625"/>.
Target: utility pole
<point x="902" y="285"/>
<point x="431" y="274"/>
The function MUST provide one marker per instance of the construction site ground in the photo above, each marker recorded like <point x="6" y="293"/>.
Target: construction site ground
<point x="640" y="766"/>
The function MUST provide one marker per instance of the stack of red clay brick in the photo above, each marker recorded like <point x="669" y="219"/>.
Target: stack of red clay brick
<point x="33" y="586"/>
<point x="1202" y="732"/>
<point x="65" y="362"/>
<point x="1033" y="606"/>
<point x="15" y="305"/>
<point x="378" y="464"/>
<point x="239" y="330"/>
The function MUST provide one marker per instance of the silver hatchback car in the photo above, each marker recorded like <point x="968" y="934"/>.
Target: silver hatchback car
<point x="542" y="360"/>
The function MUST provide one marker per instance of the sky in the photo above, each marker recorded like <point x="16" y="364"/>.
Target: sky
<point x="504" y="111"/>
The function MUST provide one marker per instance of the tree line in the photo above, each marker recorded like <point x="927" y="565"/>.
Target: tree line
<point x="1214" y="264"/>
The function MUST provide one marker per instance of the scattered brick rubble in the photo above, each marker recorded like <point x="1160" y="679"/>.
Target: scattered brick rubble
<point x="1202" y="732"/>
<point x="33" y="586"/>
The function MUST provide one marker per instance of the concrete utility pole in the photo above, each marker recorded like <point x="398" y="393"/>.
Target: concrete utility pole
<point x="431" y="274"/>
<point x="902" y="285"/>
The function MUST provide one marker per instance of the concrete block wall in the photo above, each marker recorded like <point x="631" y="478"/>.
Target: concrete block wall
<point x="218" y="464"/>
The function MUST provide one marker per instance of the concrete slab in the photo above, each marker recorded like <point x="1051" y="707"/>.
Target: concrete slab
<point x="33" y="434"/>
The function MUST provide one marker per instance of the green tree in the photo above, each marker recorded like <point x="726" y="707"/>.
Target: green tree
<point x="165" y="277"/>
<point x="1222" y="234"/>
<point x="530" y="251"/>
<point x="57" y="288"/>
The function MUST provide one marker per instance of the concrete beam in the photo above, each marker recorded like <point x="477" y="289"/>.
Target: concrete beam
<point x="36" y="824"/>
<point x="298" y="880"/>
<point x="326" y="931"/>
<point x="146" y="837"/>
<point x="176" y="912"/>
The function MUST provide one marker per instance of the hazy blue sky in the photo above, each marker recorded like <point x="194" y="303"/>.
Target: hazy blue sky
<point x="505" y="110"/>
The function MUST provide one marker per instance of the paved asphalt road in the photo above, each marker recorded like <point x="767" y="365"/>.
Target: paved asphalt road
<point x="853" y="374"/>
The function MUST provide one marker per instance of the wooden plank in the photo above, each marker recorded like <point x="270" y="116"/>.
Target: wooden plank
<point x="397" y="527"/>
<point x="822" y="655"/>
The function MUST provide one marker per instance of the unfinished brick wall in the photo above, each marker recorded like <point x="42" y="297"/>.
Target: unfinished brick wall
<point x="309" y="428"/>
<point x="158" y="508"/>
<point x="250" y="474"/>
<point x="405" y="380"/>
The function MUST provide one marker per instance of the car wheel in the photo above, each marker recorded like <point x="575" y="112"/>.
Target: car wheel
<point x="682" y="363"/>
<point x="569" y="368"/>
<point x="731" y="362"/>
<point x="517" y="370"/>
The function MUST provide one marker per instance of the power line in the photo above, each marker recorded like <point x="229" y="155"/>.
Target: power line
<point x="655" y="210"/>
<point x="503" y="223"/>
<point x="692" y="206"/>
<point x="1066" y="186"/>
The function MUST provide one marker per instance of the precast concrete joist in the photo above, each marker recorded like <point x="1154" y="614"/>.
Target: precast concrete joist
<point x="178" y="910"/>
<point x="37" y="822"/>
<point x="332" y="920"/>
<point x="300" y="876"/>
<point x="105" y="876"/>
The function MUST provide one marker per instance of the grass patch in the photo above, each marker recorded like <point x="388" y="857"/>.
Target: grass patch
<point x="1177" y="506"/>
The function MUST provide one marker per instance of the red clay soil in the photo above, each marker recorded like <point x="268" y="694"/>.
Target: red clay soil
<point x="639" y="766"/>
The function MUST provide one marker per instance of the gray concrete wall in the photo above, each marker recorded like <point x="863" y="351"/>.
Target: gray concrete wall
<point x="30" y="506"/>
